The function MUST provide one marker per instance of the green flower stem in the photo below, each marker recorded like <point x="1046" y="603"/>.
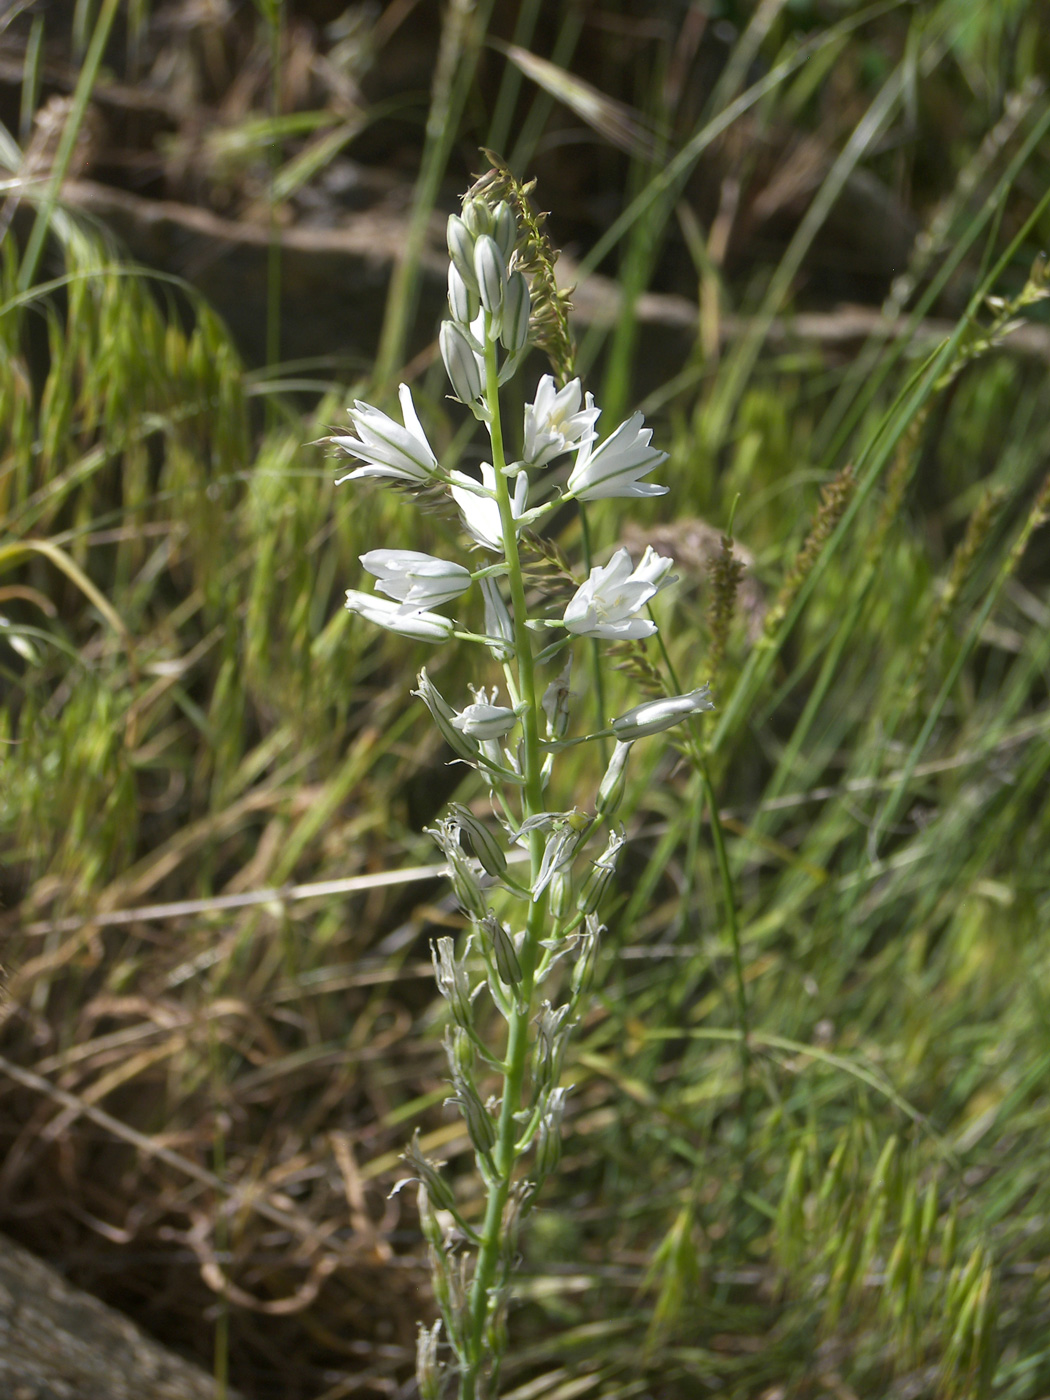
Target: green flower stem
<point x="504" y="1154"/>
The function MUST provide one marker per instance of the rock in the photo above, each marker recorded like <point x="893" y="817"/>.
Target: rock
<point x="57" y="1343"/>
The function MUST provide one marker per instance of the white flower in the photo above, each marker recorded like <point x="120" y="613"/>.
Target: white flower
<point x="387" y="448"/>
<point x="484" y="720"/>
<point x="481" y="517"/>
<point x="614" y="468"/>
<point x="554" y="422"/>
<point x="420" y="626"/>
<point x="605" y="605"/>
<point x="416" y="580"/>
<point x="655" y="715"/>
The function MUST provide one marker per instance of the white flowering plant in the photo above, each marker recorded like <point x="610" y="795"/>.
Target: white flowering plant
<point x="525" y="917"/>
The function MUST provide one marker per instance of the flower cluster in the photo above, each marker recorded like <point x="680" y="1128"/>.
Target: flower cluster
<point x="533" y="924"/>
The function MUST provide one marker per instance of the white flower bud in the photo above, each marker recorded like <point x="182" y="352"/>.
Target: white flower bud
<point x="420" y="626"/>
<point x="461" y="250"/>
<point x="461" y="362"/>
<point x="656" y="715"/>
<point x="504" y="228"/>
<point x="490" y="269"/>
<point x="476" y="217"/>
<point x="462" y="301"/>
<point x="517" y="308"/>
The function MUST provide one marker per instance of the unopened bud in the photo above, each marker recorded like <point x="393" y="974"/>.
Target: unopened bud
<point x="517" y="308"/>
<point x="504" y="228"/>
<point x="462" y="302"/>
<point x="477" y="217"/>
<point x="461" y="251"/>
<point x="461" y="362"/>
<point x="490" y="269"/>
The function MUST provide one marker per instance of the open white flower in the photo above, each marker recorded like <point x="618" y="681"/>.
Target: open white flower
<point x="416" y="580"/>
<point x="555" y="423"/>
<point x="606" y="604"/>
<point x="387" y="448"/>
<point x="614" y="467"/>
<point x="420" y="626"/>
<point x="481" y="517"/>
<point x="655" y="715"/>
